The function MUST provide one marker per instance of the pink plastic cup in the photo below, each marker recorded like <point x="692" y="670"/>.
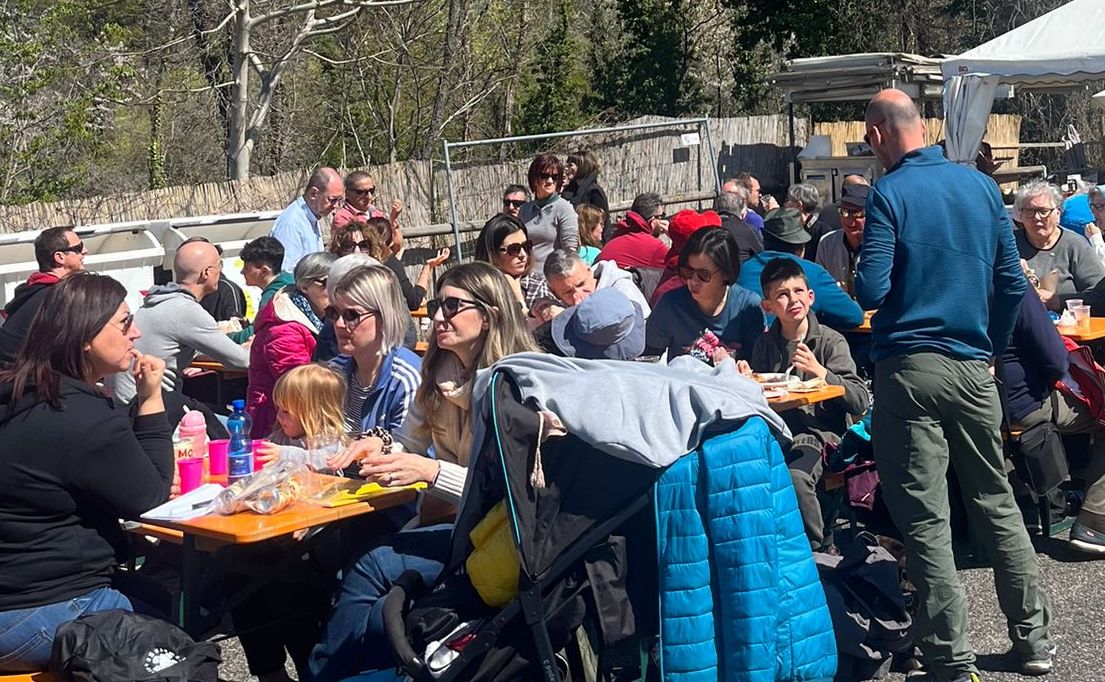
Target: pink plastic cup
<point x="216" y="455"/>
<point x="257" y="442"/>
<point x="191" y="473"/>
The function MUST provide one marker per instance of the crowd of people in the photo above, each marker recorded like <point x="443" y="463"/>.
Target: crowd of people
<point x="96" y="387"/>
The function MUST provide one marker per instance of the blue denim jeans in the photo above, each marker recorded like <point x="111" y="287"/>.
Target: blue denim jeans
<point x="27" y="635"/>
<point x="353" y="638"/>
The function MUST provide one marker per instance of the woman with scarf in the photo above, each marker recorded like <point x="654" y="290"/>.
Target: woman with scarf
<point x="475" y="323"/>
<point x="549" y="219"/>
<point x="286" y="333"/>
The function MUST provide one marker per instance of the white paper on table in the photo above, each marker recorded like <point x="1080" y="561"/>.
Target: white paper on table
<point x="188" y="506"/>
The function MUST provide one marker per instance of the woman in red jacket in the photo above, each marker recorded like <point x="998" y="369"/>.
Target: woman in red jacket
<point x="286" y="332"/>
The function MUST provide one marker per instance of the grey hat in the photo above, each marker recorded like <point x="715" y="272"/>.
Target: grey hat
<point x="606" y="325"/>
<point x="855" y="196"/>
<point x="785" y="224"/>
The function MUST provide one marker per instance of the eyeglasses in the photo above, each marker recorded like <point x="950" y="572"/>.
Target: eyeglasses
<point x="514" y="203"/>
<point x="548" y="176"/>
<point x="847" y="213"/>
<point x="352" y="318"/>
<point x="1038" y="213"/>
<point x="127" y="322"/>
<point x="873" y="126"/>
<point x="364" y="245"/>
<point x="321" y="281"/>
<point x="1097" y="206"/>
<point x="515" y="249"/>
<point x="449" y="306"/>
<point x="702" y="275"/>
<point x="363" y="192"/>
<point x="658" y="216"/>
<point x="76" y="248"/>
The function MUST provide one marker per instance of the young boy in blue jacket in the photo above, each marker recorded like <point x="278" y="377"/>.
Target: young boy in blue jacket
<point x="796" y="339"/>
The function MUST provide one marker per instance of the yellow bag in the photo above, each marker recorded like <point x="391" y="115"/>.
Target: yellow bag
<point x="493" y="565"/>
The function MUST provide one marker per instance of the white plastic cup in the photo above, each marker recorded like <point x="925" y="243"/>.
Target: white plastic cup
<point x="1082" y="316"/>
<point x="1073" y="303"/>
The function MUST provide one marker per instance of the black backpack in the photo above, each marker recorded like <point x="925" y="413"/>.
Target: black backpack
<point x="120" y="646"/>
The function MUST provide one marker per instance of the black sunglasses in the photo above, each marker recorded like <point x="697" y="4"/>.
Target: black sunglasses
<point x="516" y="203"/>
<point x="363" y="192"/>
<point x="351" y="317"/>
<point x="857" y="213"/>
<point x="127" y="322"/>
<point x="76" y="248"/>
<point x="701" y="275"/>
<point x="548" y="176"/>
<point x="449" y="306"/>
<point x="515" y="249"/>
<point x="364" y="245"/>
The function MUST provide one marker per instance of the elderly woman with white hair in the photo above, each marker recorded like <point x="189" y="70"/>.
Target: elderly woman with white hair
<point x="286" y="334"/>
<point x="1062" y="260"/>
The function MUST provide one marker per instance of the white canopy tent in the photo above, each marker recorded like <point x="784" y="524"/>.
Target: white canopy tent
<point x="1058" y="50"/>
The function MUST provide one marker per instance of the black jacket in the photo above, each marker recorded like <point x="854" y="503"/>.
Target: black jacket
<point x="19" y="313"/>
<point x="1034" y="359"/>
<point x="748" y="239"/>
<point x="226" y="303"/>
<point x="588" y="191"/>
<point x="413" y="295"/>
<point x="68" y="477"/>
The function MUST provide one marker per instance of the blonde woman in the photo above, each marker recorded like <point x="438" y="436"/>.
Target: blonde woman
<point x="476" y="321"/>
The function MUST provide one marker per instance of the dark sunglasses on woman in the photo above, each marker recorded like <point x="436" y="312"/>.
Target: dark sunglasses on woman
<point x="702" y="275"/>
<point x="515" y="249"/>
<point x="449" y="306"/>
<point x="363" y="245"/>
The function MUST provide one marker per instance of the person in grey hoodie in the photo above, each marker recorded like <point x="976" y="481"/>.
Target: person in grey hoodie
<point x="175" y="327"/>
<point x="571" y="280"/>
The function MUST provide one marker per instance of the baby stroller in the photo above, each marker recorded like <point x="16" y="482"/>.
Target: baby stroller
<point x="565" y="502"/>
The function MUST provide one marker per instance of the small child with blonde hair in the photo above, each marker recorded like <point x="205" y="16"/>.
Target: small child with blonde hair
<point x="308" y="401"/>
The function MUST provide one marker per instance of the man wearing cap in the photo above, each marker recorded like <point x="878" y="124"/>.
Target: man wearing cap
<point x="940" y="265"/>
<point x="784" y="237"/>
<point x="829" y="217"/>
<point x="604" y="326"/>
<point x="839" y="250"/>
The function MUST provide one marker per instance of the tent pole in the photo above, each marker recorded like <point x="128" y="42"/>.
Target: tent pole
<point x="793" y="151"/>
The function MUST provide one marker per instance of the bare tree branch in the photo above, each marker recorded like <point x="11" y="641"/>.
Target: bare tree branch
<point x="322" y="4"/>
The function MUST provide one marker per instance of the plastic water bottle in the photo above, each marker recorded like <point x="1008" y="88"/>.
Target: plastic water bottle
<point x="239" y="452"/>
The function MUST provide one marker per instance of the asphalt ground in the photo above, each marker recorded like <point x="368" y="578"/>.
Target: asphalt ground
<point x="1074" y="583"/>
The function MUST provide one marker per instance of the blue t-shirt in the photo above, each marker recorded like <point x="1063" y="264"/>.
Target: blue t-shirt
<point x="755" y="220"/>
<point x="676" y="322"/>
<point x="588" y="254"/>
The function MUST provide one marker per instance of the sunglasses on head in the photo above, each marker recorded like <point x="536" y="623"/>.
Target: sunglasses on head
<point x="701" y="275"/>
<point x="76" y="248"/>
<point x="449" y="306"/>
<point x="363" y="192"/>
<point x="515" y="203"/>
<point x="515" y="249"/>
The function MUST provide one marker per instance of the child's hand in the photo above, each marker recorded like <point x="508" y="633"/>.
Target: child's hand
<point x="744" y="368"/>
<point x="268" y="453"/>
<point x="804" y="360"/>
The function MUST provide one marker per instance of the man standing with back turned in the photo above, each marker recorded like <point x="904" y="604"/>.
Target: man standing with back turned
<point x="943" y="313"/>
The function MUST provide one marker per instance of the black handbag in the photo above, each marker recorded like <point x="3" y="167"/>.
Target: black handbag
<point x="1037" y="452"/>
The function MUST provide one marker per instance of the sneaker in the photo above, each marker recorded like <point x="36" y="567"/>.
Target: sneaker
<point x="1087" y="539"/>
<point x="1039" y="664"/>
<point x="922" y="676"/>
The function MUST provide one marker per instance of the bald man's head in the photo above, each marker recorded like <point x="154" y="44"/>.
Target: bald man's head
<point x="198" y="264"/>
<point x="324" y="192"/>
<point x="894" y="126"/>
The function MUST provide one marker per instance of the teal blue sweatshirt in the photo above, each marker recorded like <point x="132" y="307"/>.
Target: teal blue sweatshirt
<point x="939" y="261"/>
<point x="831" y="304"/>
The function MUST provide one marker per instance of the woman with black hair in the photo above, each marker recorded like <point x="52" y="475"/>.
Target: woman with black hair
<point x="504" y="243"/>
<point x="74" y="463"/>
<point x="712" y="301"/>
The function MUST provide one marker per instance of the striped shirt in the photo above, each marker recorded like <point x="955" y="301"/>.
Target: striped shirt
<point x="386" y="403"/>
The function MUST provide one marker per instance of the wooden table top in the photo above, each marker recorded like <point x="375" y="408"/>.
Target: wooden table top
<point x="210" y="365"/>
<point x="792" y="400"/>
<point x="1095" y="331"/>
<point x="421" y="312"/>
<point x="248" y="527"/>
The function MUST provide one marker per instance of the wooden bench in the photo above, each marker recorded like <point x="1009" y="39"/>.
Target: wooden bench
<point x="29" y="677"/>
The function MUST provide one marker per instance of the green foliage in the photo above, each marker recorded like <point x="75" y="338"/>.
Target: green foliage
<point x="556" y="86"/>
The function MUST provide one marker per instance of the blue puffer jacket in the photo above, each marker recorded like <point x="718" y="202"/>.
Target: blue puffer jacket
<point x="739" y="594"/>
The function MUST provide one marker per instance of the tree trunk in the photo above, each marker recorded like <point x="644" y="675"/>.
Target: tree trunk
<point x="238" y="147"/>
<point x="437" y="116"/>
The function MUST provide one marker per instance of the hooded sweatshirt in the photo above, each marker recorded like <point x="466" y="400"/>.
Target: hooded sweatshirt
<point x="20" y="311"/>
<point x="90" y="464"/>
<point x="174" y="328"/>
<point x="633" y="245"/>
<point x="608" y="274"/>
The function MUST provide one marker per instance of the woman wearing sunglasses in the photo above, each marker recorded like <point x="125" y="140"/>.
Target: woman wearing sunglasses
<point x="372" y="238"/>
<point x="286" y="333"/>
<point x="74" y="463"/>
<point x="711" y="300"/>
<point x="550" y="219"/>
<point x="475" y="323"/>
<point x="504" y="243"/>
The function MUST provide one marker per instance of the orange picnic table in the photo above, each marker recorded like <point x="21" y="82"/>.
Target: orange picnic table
<point x="207" y="533"/>
<point x="1093" y="332"/>
<point x="794" y="399"/>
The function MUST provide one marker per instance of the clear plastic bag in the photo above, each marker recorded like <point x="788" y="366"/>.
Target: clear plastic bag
<point x="266" y="491"/>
